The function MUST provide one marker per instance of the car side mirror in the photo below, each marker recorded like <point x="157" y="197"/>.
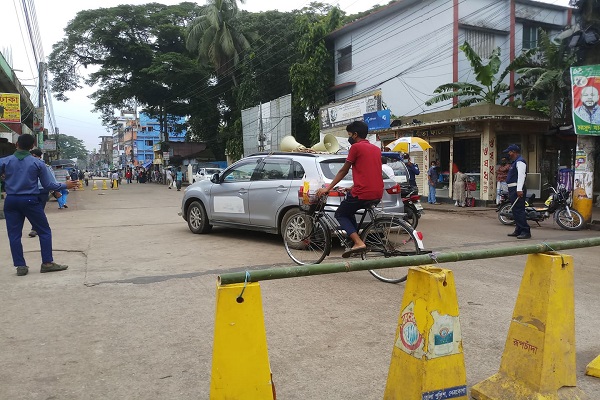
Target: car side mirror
<point x="215" y="178"/>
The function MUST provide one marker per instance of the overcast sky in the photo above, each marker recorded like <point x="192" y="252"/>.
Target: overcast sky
<point x="74" y="117"/>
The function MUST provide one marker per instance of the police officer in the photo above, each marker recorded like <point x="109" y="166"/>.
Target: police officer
<point x="515" y="181"/>
<point x="22" y="171"/>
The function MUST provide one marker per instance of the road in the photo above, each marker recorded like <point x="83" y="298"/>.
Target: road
<point x="133" y="316"/>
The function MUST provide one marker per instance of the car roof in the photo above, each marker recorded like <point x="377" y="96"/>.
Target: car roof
<point x="297" y="154"/>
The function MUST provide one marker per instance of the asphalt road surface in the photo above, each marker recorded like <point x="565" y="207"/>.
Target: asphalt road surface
<point x="133" y="316"/>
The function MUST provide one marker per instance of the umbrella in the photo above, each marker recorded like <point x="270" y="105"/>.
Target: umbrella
<point x="408" y="144"/>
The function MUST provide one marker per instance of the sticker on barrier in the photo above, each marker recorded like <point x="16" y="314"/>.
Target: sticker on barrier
<point x="450" y="393"/>
<point x="410" y="339"/>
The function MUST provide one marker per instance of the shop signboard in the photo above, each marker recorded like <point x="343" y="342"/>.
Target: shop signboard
<point x="585" y="94"/>
<point x="10" y="108"/>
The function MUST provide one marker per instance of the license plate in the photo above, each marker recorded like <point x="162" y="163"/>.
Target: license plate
<point x="418" y="206"/>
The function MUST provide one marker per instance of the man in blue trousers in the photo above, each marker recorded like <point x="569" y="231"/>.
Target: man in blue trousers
<point x="21" y="173"/>
<point x="515" y="180"/>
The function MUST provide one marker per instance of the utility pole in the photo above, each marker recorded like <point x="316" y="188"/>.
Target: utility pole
<point x="261" y="135"/>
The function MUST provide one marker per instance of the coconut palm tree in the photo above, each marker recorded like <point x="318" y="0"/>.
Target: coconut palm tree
<point x="216" y="39"/>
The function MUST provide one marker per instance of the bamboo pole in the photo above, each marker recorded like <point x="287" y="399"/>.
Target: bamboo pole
<point x="423" y="259"/>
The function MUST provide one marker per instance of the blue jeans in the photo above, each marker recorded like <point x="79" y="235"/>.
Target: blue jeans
<point x="16" y="209"/>
<point x="431" y="197"/>
<point x="345" y="213"/>
<point x="62" y="200"/>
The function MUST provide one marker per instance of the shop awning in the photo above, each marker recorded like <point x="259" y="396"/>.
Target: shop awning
<point x="147" y="164"/>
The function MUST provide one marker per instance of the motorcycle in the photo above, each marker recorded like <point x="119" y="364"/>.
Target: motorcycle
<point x="557" y="204"/>
<point x="412" y="208"/>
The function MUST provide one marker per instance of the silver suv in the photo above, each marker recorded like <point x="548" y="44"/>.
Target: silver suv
<point x="260" y="192"/>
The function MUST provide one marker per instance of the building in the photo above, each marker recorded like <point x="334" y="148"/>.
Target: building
<point x="409" y="48"/>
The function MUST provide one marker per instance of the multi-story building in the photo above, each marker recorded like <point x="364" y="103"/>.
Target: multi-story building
<point x="409" y="48"/>
<point x="134" y="138"/>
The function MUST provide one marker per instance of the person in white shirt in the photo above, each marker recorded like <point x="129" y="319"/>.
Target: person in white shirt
<point x="169" y="179"/>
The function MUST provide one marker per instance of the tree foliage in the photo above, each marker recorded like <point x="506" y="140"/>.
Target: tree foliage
<point x="544" y="83"/>
<point x="312" y="75"/>
<point x="71" y="147"/>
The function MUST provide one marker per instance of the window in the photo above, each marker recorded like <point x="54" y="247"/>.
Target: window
<point x="241" y="173"/>
<point x="530" y="37"/>
<point x="345" y="59"/>
<point x="481" y="42"/>
<point x="150" y="128"/>
<point x="297" y="171"/>
<point x="274" y="170"/>
<point x="148" y="142"/>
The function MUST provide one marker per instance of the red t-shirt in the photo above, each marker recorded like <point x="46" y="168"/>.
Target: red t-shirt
<point x="366" y="170"/>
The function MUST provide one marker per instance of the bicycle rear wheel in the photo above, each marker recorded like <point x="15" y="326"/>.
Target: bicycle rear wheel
<point x="389" y="237"/>
<point x="307" y="240"/>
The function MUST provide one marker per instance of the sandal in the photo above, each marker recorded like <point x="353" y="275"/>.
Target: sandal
<point x="351" y="252"/>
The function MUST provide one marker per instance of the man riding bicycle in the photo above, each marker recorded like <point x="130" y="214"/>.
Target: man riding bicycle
<point x="365" y="160"/>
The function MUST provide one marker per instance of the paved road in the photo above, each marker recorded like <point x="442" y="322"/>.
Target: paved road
<point x="132" y="318"/>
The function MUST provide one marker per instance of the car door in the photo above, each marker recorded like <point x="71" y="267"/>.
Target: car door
<point x="269" y="190"/>
<point x="229" y="197"/>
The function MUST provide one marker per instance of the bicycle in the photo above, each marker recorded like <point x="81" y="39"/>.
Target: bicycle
<point x="307" y="237"/>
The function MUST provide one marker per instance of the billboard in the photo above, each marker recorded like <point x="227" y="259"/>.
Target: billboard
<point x="10" y="108"/>
<point x="378" y="120"/>
<point x="343" y="113"/>
<point x="585" y="93"/>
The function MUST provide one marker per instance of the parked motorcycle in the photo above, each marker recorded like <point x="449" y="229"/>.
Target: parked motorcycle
<point x="557" y="204"/>
<point x="412" y="208"/>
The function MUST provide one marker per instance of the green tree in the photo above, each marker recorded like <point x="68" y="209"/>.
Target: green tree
<point x="545" y="84"/>
<point x="489" y="88"/>
<point x="215" y="37"/>
<point x="312" y="75"/>
<point x="71" y="147"/>
<point x="135" y="52"/>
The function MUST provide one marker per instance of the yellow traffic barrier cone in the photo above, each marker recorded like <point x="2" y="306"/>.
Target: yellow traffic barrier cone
<point x="240" y="360"/>
<point x="427" y="358"/>
<point x="81" y="185"/>
<point x="115" y="184"/>
<point x="104" y="187"/>
<point x="593" y="368"/>
<point x="539" y="355"/>
<point x="94" y="186"/>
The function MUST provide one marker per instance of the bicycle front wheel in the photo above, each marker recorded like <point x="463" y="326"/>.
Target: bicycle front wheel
<point x="307" y="240"/>
<point x="389" y="237"/>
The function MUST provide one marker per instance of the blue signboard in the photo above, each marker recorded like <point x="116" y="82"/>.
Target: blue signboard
<point x="378" y="119"/>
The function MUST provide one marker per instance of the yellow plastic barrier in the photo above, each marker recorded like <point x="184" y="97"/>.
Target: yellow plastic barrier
<point x="115" y="184"/>
<point x="104" y="187"/>
<point x="240" y="361"/>
<point x="94" y="186"/>
<point x="427" y="358"/>
<point x="80" y="186"/>
<point x="539" y="355"/>
<point x="593" y="368"/>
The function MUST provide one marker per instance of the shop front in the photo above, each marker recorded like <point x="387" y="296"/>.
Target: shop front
<point x="471" y="140"/>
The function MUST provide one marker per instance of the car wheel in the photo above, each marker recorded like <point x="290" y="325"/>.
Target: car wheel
<point x="294" y="227"/>
<point x="197" y="219"/>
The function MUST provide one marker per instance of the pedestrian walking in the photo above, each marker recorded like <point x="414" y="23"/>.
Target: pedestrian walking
<point x="62" y="175"/>
<point x="169" y="178"/>
<point x="178" y="178"/>
<point x="22" y="171"/>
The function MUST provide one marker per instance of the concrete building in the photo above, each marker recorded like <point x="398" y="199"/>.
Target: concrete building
<point x="409" y="48"/>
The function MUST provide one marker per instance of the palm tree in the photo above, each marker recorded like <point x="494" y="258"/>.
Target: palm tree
<point x="545" y="83"/>
<point x="489" y="89"/>
<point x="215" y="38"/>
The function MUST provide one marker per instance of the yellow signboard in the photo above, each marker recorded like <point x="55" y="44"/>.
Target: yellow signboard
<point x="10" y="107"/>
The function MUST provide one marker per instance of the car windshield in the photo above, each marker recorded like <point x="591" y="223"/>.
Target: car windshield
<point x="212" y="171"/>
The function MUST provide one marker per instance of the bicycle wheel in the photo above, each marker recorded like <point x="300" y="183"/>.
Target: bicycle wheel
<point x="389" y="237"/>
<point x="307" y="240"/>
